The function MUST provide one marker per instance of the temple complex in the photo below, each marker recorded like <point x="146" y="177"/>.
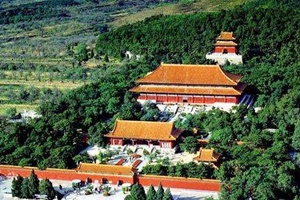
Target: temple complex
<point x="226" y="49"/>
<point x="190" y="84"/>
<point x="162" y="134"/>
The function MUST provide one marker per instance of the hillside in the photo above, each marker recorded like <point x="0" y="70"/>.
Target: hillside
<point x="38" y="40"/>
<point x="265" y="166"/>
<point x="266" y="42"/>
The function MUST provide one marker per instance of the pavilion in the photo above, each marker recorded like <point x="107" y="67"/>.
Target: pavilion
<point x="225" y="49"/>
<point x="163" y="134"/>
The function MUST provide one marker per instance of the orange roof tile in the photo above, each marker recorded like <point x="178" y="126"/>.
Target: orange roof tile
<point x="226" y="36"/>
<point x="145" y="130"/>
<point x="196" y="90"/>
<point x="105" y="169"/>
<point x="225" y="43"/>
<point x="207" y="155"/>
<point x="183" y="74"/>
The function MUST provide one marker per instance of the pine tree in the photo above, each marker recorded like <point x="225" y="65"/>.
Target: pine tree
<point x="159" y="193"/>
<point x="151" y="193"/>
<point x="46" y="188"/>
<point x="168" y="195"/>
<point x="25" y="193"/>
<point x="128" y="197"/>
<point x="33" y="184"/>
<point x="137" y="192"/>
<point x="16" y="186"/>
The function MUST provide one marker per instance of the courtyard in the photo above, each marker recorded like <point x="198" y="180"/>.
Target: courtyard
<point x="116" y="192"/>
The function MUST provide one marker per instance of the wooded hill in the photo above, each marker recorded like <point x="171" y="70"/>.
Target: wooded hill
<point x="268" y="38"/>
<point x="265" y="167"/>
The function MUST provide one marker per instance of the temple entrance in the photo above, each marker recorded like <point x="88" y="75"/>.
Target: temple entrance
<point x="184" y="99"/>
<point x="126" y="141"/>
<point x="225" y="51"/>
<point x="142" y="142"/>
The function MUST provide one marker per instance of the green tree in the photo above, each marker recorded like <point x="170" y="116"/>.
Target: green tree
<point x="159" y="192"/>
<point x="296" y="138"/>
<point x="189" y="144"/>
<point x="168" y="195"/>
<point x="137" y="192"/>
<point x="33" y="184"/>
<point x="151" y="193"/>
<point x="16" y="186"/>
<point x="46" y="188"/>
<point x="81" y="52"/>
<point x="128" y="197"/>
<point x="25" y="191"/>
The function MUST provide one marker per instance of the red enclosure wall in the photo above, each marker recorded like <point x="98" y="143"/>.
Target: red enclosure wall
<point x="178" y="182"/>
<point x="145" y="180"/>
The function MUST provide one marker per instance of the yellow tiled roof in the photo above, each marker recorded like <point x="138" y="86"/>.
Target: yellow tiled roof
<point x="105" y="169"/>
<point x="225" y="43"/>
<point x="183" y="74"/>
<point x="226" y="36"/>
<point x="145" y="130"/>
<point x="207" y="155"/>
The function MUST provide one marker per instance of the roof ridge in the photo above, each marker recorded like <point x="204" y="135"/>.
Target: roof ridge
<point x="188" y="65"/>
<point x="224" y="73"/>
<point x="139" y="121"/>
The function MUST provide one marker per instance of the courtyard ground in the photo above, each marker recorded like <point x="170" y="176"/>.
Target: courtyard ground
<point x="117" y="193"/>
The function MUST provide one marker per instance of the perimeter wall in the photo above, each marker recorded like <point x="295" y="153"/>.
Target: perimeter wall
<point x="145" y="180"/>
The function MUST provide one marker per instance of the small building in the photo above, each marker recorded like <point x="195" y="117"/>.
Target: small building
<point x="163" y="134"/>
<point x="208" y="156"/>
<point x="225" y="49"/>
<point x="190" y="84"/>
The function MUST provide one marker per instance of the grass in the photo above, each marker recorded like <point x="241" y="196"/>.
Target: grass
<point x="45" y="84"/>
<point x="19" y="107"/>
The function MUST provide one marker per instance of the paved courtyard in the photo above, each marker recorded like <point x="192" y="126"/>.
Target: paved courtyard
<point x="117" y="193"/>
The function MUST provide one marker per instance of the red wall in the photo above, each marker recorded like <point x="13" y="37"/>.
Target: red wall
<point x="229" y="49"/>
<point x="191" y="99"/>
<point x="172" y="98"/>
<point x="231" y="100"/>
<point x="145" y="180"/>
<point x="151" y="97"/>
<point x="61" y="174"/>
<point x="209" y="99"/>
<point x="220" y="99"/>
<point x="142" y="97"/>
<point x="178" y="182"/>
<point x="198" y="99"/>
<point x="161" y="98"/>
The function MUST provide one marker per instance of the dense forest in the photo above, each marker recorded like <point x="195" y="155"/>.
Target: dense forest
<point x="265" y="166"/>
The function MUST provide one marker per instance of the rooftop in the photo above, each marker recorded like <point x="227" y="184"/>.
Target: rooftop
<point x="105" y="169"/>
<point x="183" y="74"/>
<point x="225" y="43"/>
<point x="226" y="36"/>
<point x="207" y="155"/>
<point x="144" y="130"/>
